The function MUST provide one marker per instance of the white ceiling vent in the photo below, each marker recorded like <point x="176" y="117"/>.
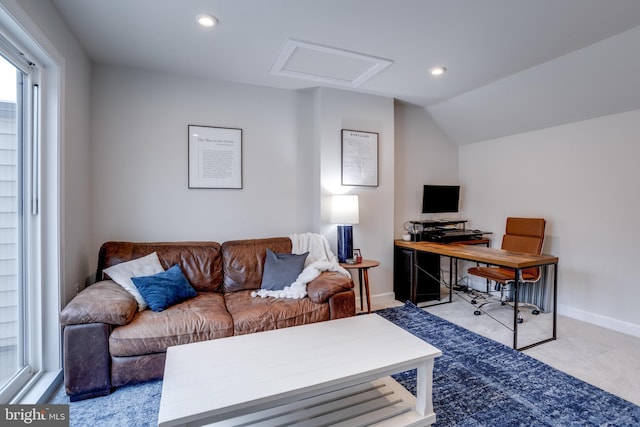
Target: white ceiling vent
<point x="323" y="64"/>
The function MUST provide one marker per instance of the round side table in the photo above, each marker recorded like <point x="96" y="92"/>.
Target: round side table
<point x="363" y="277"/>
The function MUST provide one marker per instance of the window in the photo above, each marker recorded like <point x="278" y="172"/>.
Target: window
<point x="29" y="327"/>
<point x="18" y="206"/>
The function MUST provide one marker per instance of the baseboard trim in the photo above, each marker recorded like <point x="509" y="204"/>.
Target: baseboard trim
<point x="600" y="320"/>
<point x="384" y="300"/>
<point x="388" y="299"/>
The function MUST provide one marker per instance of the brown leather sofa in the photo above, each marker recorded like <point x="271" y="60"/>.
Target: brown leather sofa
<point x="109" y="343"/>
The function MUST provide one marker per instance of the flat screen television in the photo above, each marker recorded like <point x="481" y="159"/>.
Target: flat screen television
<point x="440" y="198"/>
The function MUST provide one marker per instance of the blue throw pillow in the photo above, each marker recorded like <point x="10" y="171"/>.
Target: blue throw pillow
<point x="164" y="289"/>
<point x="281" y="270"/>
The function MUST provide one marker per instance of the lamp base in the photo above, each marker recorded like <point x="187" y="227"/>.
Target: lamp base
<point x="345" y="243"/>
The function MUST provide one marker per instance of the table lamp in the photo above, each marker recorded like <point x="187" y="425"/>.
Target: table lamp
<point x="345" y="212"/>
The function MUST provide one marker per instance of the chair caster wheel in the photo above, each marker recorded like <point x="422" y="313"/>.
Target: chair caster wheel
<point x="503" y="303"/>
<point x="477" y="312"/>
<point x="520" y="320"/>
<point x="474" y="301"/>
<point x="536" y="312"/>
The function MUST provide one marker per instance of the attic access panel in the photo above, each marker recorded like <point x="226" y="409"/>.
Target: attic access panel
<point x="325" y="64"/>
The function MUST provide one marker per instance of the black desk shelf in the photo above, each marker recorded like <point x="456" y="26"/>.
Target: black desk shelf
<point x="416" y="274"/>
<point x="415" y="284"/>
<point x="438" y="223"/>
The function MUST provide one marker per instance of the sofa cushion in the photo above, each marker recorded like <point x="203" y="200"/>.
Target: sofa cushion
<point x="281" y="270"/>
<point x="262" y="314"/>
<point x="204" y="317"/>
<point x="164" y="289"/>
<point x="143" y="266"/>
<point x="243" y="261"/>
<point x="201" y="262"/>
<point x="137" y="369"/>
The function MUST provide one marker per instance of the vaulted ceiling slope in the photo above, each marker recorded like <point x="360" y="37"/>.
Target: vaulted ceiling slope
<point x="512" y="66"/>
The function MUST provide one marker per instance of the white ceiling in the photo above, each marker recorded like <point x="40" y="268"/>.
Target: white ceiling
<point x="512" y="65"/>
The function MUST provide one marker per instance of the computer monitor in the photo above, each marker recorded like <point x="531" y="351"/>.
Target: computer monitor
<point x="440" y="198"/>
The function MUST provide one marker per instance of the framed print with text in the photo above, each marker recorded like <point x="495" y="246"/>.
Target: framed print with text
<point x="215" y="157"/>
<point x="359" y="158"/>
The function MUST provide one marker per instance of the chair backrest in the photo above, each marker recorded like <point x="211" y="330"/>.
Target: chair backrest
<point x="524" y="235"/>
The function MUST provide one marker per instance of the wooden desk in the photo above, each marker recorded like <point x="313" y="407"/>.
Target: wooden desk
<point x="363" y="269"/>
<point x="481" y="254"/>
<point x="497" y="257"/>
<point x="423" y="284"/>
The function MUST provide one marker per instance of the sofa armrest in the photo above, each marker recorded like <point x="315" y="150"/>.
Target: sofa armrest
<point x="103" y="302"/>
<point x="87" y="363"/>
<point x="327" y="284"/>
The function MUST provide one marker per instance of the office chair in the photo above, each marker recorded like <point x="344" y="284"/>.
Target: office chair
<point x="521" y="235"/>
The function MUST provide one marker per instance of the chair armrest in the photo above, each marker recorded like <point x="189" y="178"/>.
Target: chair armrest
<point x="327" y="284"/>
<point x="102" y="302"/>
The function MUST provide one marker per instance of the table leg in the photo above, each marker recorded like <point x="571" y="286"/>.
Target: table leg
<point x="360" y="284"/>
<point x="366" y="288"/>
<point x="424" y="388"/>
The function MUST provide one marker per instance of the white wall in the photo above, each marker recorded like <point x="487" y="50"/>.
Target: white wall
<point x="583" y="179"/>
<point x="423" y="155"/>
<point x="139" y="159"/>
<point x="291" y="162"/>
<point x="337" y="110"/>
<point x="308" y="168"/>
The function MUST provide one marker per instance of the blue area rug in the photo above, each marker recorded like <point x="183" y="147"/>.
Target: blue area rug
<point x="480" y="382"/>
<point x="477" y="382"/>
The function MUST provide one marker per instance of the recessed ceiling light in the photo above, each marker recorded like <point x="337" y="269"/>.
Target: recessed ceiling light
<point x="437" y="71"/>
<point x="206" y="20"/>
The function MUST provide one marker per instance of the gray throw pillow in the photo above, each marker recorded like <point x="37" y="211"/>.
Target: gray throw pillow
<point x="281" y="270"/>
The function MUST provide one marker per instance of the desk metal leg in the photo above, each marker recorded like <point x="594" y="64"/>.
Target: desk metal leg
<point x="555" y="298"/>
<point x="451" y="278"/>
<point x="515" y="309"/>
<point x="555" y="312"/>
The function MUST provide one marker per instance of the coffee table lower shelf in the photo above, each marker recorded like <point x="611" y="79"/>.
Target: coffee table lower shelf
<point x="379" y="403"/>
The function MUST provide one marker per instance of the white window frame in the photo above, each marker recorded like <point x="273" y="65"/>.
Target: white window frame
<point x="27" y="113"/>
<point x="45" y="274"/>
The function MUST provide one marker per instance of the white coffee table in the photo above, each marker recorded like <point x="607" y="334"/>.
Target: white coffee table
<point x="333" y="372"/>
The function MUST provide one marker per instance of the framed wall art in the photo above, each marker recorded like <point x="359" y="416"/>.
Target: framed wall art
<point x="215" y="157"/>
<point x="359" y="158"/>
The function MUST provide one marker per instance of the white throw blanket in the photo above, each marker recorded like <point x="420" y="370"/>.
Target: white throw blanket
<point x="320" y="259"/>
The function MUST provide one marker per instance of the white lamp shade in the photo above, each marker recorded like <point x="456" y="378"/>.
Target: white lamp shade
<point x="344" y="209"/>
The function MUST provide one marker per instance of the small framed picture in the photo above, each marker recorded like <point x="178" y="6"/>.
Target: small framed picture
<point x="357" y="255"/>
